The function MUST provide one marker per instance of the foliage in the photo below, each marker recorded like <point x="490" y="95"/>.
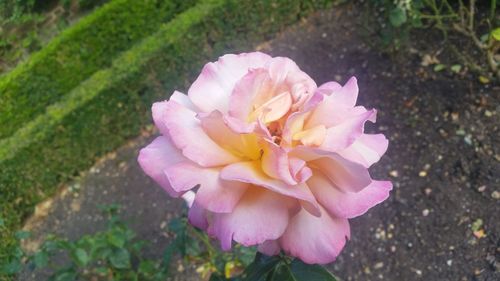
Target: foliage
<point x="279" y="268"/>
<point x="25" y="24"/>
<point x="76" y="54"/>
<point x="15" y="9"/>
<point x="113" y="104"/>
<point x="116" y="254"/>
<point x="461" y="18"/>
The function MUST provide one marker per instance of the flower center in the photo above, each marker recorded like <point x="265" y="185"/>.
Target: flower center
<point x="276" y="130"/>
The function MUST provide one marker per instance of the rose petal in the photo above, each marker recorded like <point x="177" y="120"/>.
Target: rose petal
<point x="188" y="135"/>
<point x="214" y="193"/>
<point x="243" y="146"/>
<point x="197" y="216"/>
<point x="345" y="174"/>
<point x="328" y="88"/>
<point x="299" y="170"/>
<point x="348" y="204"/>
<point x="158" y="110"/>
<point x="251" y="172"/>
<point x="269" y="248"/>
<point x="260" y="216"/>
<point x="245" y="96"/>
<point x="156" y="157"/>
<point x="183" y="100"/>
<point x="315" y="240"/>
<point x="344" y="134"/>
<point x="366" y="150"/>
<point x="212" y="89"/>
<point x="189" y="198"/>
<point x="275" y="163"/>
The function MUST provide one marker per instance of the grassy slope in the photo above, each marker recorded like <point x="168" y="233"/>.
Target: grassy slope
<point x="79" y="51"/>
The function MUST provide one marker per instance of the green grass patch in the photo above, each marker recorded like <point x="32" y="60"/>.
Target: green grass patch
<point x="114" y="103"/>
<point x="89" y="45"/>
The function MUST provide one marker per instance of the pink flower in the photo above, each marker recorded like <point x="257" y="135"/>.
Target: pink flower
<point x="267" y="158"/>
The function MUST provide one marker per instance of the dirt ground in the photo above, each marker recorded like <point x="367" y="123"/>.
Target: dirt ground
<point x="443" y="158"/>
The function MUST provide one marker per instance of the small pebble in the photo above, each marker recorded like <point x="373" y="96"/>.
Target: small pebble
<point x="422" y="174"/>
<point x="394" y="173"/>
<point x="449" y="262"/>
<point x="428" y="191"/>
<point x="482" y="188"/>
<point x="163" y="224"/>
<point x="495" y="195"/>
<point x="378" y="265"/>
<point x="425" y="212"/>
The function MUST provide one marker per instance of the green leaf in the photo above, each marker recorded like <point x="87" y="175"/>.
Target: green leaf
<point x="41" y="259"/>
<point x="217" y="277"/>
<point x="168" y="253"/>
<point x="477" y="224"/>
<point x="101" y="271"/>
<point x="22" y="234"/>
<point x="147" y="268"/>
<point x="12" y="268"/>
<point x="2" y="222"/>
<point x="81" y="257"/>
<point x="116" y="238"/>
<point x="68" y="275"/>
<point x="456" y="68"/>
<point x="310" y="272"/>
<point x="484" y="37"/>
<point x="120" y="258"/>
<point x="496" y="33"/>
<point x="397" y="17"/>
<point x="178" y="226"/>
<point x="260" y="267"/>
<point x="439" y="67"/>
<point x="282" y="272"/>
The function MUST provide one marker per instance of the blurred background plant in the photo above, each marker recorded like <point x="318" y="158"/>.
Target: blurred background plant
<point x="26" y="25"/>
<point x="116" y="254"/>
<point x="457" y="21"/>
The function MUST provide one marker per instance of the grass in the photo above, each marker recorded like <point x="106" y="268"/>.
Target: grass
<point x="91" y="44"/>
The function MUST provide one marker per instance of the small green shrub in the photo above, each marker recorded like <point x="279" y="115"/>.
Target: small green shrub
<point x="117" y="254"/>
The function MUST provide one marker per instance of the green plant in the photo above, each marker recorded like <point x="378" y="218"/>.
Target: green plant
<point x="116" y="254"/>
<point x="450" y="17"/>
<point x="113" y="254"/>
<point x="15" y="9"/>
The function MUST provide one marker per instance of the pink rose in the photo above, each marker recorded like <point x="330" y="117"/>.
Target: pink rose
<point x="267" y="158"/>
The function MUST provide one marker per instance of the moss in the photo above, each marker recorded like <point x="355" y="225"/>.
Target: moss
<point x="114" y="103"/>
<point x="79" y="51"/>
